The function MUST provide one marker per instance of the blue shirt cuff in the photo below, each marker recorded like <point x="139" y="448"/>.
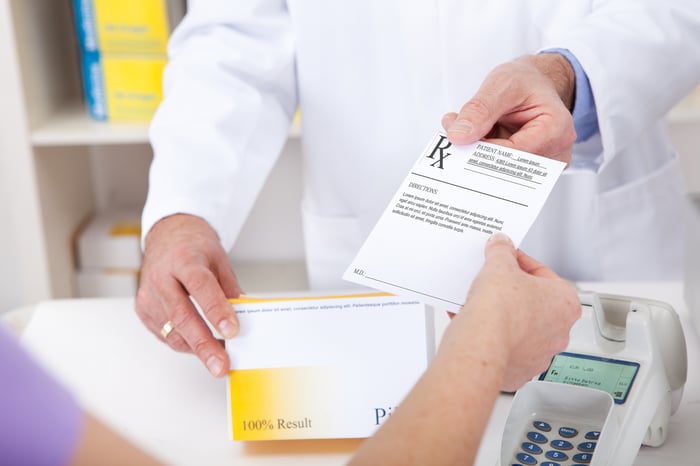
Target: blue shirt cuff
<point x="584" y="114"/>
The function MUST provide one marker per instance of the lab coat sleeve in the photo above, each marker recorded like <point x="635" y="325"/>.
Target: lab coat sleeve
<point x="229" y="95"/>
<point x="641" y="57"/>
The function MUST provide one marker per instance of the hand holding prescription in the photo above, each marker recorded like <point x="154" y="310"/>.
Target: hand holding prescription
<point x="523" y="104"/>
<point x="531" y="310"/>
<point x="429" y="241"/>
<point x="517" y="316"/>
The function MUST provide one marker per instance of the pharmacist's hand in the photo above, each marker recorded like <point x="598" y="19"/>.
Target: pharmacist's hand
<point x="525" y="306"/>
<point x="524" y="104"/>
<point x="183" y="257"/>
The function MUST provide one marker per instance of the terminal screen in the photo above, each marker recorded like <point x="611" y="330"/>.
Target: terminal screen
<point x="610" y="375"/>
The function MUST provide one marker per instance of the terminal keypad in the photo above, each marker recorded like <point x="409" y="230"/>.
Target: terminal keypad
<point x="552" y="443"/>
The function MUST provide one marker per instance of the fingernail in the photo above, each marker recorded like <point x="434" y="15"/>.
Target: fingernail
<point x="500" y="236"/>
<point x="227" y="328"/>
<point x="215" y="364"/>
<point x="461" y="126"/>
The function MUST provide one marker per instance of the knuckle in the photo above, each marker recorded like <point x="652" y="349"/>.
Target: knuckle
<point x="566" y="128"/>
<point x="196" y="279"/>
<point x="183" y="256"/>
<point x="179" y="344"/>
<point x="477" y="106"/>
<point x="569" y="135"/>
<point x="143" y="308"/>
<point x="202" y="347"/>
<point x="212" y="309"/>
<point x="143" y="300"/>
<point x="183" y="315"/>
<point x="150" y="281"/>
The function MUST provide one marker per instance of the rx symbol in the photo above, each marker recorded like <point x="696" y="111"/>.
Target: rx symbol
<point x="439" y="151"/>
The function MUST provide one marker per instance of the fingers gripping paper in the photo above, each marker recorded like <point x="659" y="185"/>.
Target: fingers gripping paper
<point x="429" y="241"/>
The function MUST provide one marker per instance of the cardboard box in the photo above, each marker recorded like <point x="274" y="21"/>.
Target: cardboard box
<point x="324" y="367"/>
<point x="106" y="283"/>
<point x="111" y="240"/>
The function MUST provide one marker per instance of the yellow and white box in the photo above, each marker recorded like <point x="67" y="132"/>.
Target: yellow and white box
<point x="126" y="26"/>
<point x="111" y="240"/>
<point x="324" y="367"/>
<point x="108" y="254"/>
<point x="122" y="87"/>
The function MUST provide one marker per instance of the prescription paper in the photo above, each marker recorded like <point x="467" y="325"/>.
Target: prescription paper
<point x="324" y="367"/>
<point x="429" y="242"/>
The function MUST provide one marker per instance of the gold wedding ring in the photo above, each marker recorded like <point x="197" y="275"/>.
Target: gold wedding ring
<point x="166" y="329"/>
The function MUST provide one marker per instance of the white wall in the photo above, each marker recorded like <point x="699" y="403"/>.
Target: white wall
<point x="9" y="257"/>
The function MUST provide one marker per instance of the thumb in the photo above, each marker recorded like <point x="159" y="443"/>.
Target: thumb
<point x="498" y="246"/>
<point x="475" y="119"/>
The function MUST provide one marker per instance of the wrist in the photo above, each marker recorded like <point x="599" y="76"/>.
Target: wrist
<point x="178" y="223"/>
<point x="559" y="71"/>
<point x="478" y="333"/>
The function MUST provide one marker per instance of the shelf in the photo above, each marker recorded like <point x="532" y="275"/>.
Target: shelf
<point x="71" y="126"/>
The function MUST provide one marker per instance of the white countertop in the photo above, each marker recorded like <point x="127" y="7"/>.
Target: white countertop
<point x="168" y="403"/>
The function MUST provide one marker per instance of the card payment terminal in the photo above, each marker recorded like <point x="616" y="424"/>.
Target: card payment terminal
<point x="612" y="390"/>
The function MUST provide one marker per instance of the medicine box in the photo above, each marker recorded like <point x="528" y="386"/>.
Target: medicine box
<point x="324" y="367"/>
<point x="121" y="87"/>
<point x="111" y="240"/>
<point x="126" y="26"/>
<point x="123" y="48"/>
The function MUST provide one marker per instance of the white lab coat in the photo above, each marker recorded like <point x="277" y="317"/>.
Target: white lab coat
<point x="374" y="77"/>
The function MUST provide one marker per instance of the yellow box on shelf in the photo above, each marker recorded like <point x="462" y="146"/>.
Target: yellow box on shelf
<point x="126" y="26"/>
<point x="132" y="26"/>
<point x="324" y="366"/>
<point x="121" y="87"/>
